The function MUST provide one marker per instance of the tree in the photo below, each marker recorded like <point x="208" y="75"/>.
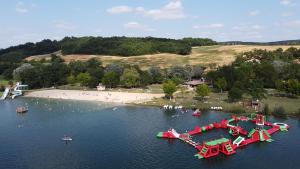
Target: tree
<point x="179" y="72"/>
<point x="197" y="71"/>
<point x="32" y="78"/>
<point x="267" y="74"/>
<point x="57" y="59"/>
<point x="169" y="87"/>
<point x="71" y="79"/>
<point x="255" y="89"/>
<point x="202" y="91"/>
<point x="176" y="80"/>
<point x="280" y="85"/>
<point x="53" y="74"/>
<point x="23" y="67"/>
<point x="221" y="84"/>
<point x="83" y="79"/>
<point x="114" y="68"/>
<point x="145" y="78"/>
<point x="279" y="112"/>
<point x="293" y="87"/>
<point x="266" y="110"/>
<point x="156" y="74"/>
<point x="111" y="79"/>
<point x="130" y="78"/>
<point x="94" y="63"/>
<point x="77" y="67"/>
<point x="96" y="76"/>
<point x="235" y="94"/>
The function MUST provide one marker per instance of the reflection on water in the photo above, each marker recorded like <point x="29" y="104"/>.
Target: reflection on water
<point x="123" y="137"/>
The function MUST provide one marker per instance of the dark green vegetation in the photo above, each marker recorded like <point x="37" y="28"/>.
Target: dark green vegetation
<point x="89" y="74"/>
<point x="10" y="58"/>
<point x="123" y="46"/>
<point x="169" y="87"/>
<point x="202" y="91"/>
<point x="252" y="72"/>
<point x="120" y="46"/>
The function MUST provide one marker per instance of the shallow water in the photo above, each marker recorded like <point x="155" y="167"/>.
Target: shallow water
<point x="123" y="138"/>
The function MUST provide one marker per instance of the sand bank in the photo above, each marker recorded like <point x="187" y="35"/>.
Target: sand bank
<point x="103" y="96"/>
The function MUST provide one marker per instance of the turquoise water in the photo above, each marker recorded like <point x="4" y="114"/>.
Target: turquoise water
<point x="124" y="138"/>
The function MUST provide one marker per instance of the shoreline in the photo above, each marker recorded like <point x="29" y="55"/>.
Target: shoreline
<point x="98" y="96"/>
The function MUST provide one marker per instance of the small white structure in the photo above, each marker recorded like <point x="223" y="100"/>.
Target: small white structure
<point x="18" y="90"/>
<point x="238" y="141"/>
<point x="100" y="87"/>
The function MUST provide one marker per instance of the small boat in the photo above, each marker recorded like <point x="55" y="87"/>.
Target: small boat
<point x="197" y="113"/>
<point x="67" y="138"/>
<point x="22" y="109"/>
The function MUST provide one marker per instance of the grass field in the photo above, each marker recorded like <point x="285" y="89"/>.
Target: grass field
<point x="3" y="82"/>
<point x="205" y="55"/>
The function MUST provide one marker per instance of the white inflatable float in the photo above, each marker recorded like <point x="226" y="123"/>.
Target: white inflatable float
<point x="216" y="108"/>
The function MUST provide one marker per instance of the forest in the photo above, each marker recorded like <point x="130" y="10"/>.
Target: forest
<point x="12" y="57"/>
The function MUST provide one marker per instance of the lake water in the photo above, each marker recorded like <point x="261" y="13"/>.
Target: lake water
<point x="124" y="138"/>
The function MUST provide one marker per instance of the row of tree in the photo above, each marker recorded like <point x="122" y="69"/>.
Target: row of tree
<point x="92" y="72"/>
<point x="124" y="46"/>
<point x="121" y="46"/>
<point x="256" y="70"/>
<point x="12" y="57"/>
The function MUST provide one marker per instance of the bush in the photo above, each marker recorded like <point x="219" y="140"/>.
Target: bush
<point x="235" y="94"/>
<point x="71" y="80"/>
<point x="266" y="110"/>
<point x="176" y="80"/>
<point x="279" y="112"/>
<point x="130" y="78"/>
<point x="83" y="79"/>
<point x="202" y="91"/>
<point x="2" y="88"/>
<point x="236" y="110"/>
<point x="298" y="113"/>
<point x="169" y="87"/>
<point x="111" y="79"/>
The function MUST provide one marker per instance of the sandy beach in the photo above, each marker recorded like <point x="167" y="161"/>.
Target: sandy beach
<point x="102" y="96"/>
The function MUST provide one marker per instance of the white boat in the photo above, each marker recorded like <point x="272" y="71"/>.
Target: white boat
<point x="67" y="138"/>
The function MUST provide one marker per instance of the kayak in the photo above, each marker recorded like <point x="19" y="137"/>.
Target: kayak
<point x="197" y="113"/>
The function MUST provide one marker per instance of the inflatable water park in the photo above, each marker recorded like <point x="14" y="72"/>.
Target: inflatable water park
<point x="227" y="146"/>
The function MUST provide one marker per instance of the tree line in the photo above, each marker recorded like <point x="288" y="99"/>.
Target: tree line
<point x="252" y="72"/>
<point x="121" y="46"/>
<point x="12" y="57"/>
<point x="92" y="72"/>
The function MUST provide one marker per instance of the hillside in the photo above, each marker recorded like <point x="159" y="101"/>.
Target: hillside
<point x="120" y="46"/>
<point x="204" y="55"/>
